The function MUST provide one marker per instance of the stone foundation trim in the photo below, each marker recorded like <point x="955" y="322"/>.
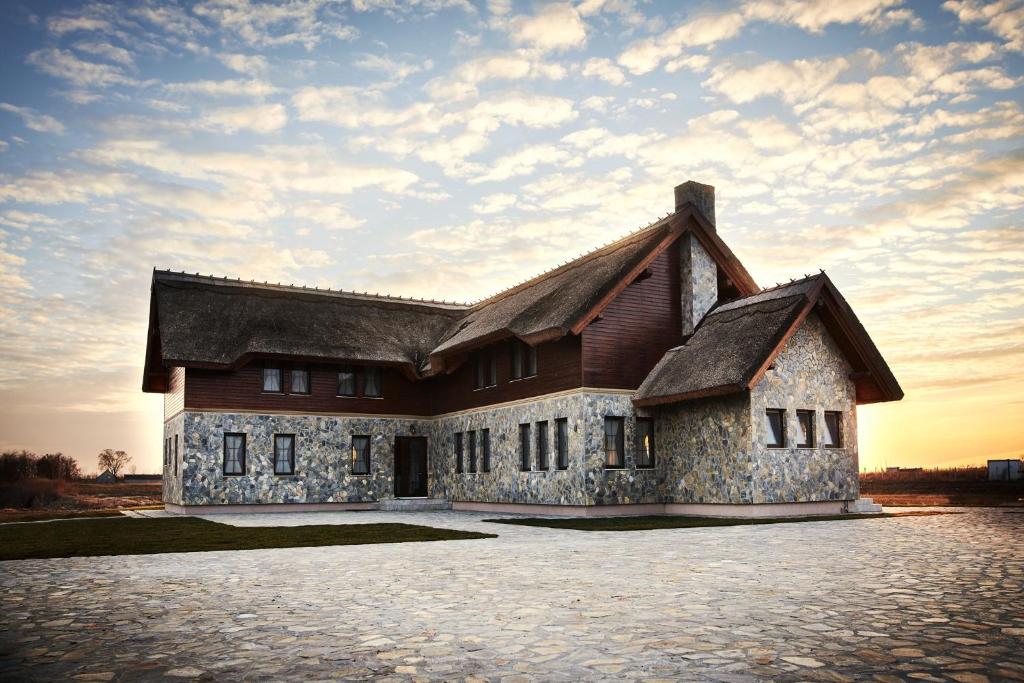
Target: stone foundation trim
<point x="759" y="510"/>
<point x="245" y="508"/>
<point x="561" y="510"/>
<point x="741" y="511"/>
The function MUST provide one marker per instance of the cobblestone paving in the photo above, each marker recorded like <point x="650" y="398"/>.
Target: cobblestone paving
<point x="919" y="598"/>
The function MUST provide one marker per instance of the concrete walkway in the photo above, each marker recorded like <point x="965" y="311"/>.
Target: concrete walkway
<point x="917" y="598"/>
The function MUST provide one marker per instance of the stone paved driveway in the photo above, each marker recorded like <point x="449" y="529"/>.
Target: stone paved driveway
<point x="925" y="598"/>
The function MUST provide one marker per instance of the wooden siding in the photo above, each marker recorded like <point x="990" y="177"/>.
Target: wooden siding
<point x="174" y="397"/>
<point x="643" y="322"/>
<point x="242" y="389"/>
<point x="558" y="368"/>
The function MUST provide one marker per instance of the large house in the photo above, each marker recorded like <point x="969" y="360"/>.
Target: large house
<point x="649" y="376"/>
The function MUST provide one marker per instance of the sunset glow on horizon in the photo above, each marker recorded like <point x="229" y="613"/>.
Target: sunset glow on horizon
<point x="450" y="149"/>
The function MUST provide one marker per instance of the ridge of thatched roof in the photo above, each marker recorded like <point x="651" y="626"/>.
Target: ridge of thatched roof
<point x="737" y="341"/>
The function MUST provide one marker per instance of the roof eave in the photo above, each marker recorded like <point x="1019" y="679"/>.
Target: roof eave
<point x="709" y="392"/>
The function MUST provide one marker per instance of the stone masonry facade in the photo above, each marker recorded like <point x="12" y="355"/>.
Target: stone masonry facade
<point x="707" y="451"/>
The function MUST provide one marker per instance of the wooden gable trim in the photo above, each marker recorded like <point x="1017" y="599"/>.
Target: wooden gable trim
<point x="812" y="298"/>
<point x="590" y="315"/>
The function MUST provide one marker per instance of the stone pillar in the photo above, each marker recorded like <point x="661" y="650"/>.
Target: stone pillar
<point x="698" y="277"/>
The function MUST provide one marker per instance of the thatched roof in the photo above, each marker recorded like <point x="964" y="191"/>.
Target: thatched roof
<point x="737" y="341"/>
<point x="214" y="322"/>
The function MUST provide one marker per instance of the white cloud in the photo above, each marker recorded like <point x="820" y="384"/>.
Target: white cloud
<point x="795" y="81"/>
<point x="494" y="203"/>
<point x="332" y="216"/>
<point x="396" y="71"/>
<point x="519" y="65"/>
<point x="556" y="26"/>
<point x="605" y="69"/>
<point x="300" y="22"/>
<point x="265" y="118"/>
<point x="703" y="30"/>
<point x="250" y="65"/>
<point x="523" y="162"/>
<point x="108" y="51"/>
<point x="352" y="107"/>
<point x="64" y="64"/>
<point x="60" y="25"/>
<point x="42" y="123"/>
<point x="225" y="88"/>
<point x="1004" y="18"/>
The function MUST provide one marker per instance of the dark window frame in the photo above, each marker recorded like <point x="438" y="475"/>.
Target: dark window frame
<point x="291" y="381"/>
<point x="175" y="455"/>
<point x="471" y="451"/>
<point x="781" y="412"/>
<point x="811" y="435"/>
<point x="838" y="415"/>
<point x="291" y="456"/>
<point x="523" y="360"/>
<point x="543" y="446"/>
<point x="485" y="369"/>
<point x="620" y="442"/>
<point x="485" y="450"/>
<point x="459" y="466"/>
<point x="562" y="443"/>
<point x="363" y="373"/>
<point x="354" y="458"/>
<point x="651" y="452"/>
<point x="355" y="383"/>
<point x="243" y="459"/>
<point x="280" y="379"/>
<point x="525" y="437"/>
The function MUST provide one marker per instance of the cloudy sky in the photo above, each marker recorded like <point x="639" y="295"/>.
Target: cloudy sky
<point x="447" y="148"/>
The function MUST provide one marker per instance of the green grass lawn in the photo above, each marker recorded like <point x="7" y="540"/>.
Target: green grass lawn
<point x="678" y="522"/>
<point x="127" y="536"/>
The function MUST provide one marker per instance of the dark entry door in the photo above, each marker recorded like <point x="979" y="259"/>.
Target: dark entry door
<point x="411" y="467"/>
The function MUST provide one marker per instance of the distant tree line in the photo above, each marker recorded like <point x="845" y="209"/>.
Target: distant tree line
<point x="21" y="465"/>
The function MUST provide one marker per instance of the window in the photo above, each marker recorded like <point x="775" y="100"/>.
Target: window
<point x="175" y="455"/>
<point x="542" y="446"/>
<point x="644" y="442"/>
<point x="347" y="381"/>
<point x="284" y="454"/>
<point x="485" y="450"/>
<point x="833" y="436"/>
<point x="562" y="443"/>
<point x="524" y="447"/>
<point x="272" y="380"/>
<point x="486" y="369"/>
<point x="458" y="452"/>
<point x="805" y="424"/>
<point x="524" y="360"/>
<point x="167" y="453"/>
<point x="371" y="382"/>
<point x="300" y="381"/>
<point x="614" y="442"/>
<point x="360" y="455"/>
<point x="234" y="454"/>
<point x="775" y="425"/>
<point x="471" y="439"/>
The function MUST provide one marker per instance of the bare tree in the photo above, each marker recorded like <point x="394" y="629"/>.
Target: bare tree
<point x="113" y="460"/>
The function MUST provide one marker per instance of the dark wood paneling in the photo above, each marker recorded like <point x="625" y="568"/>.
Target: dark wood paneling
<point x="558" y="368"/>
<point x="636" y="329"/>
<point x="242" y="390"/>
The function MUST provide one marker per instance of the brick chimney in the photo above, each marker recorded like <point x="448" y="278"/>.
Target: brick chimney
<point x="700" y="195"/>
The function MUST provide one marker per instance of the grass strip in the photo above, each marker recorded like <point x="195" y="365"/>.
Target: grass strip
<point x="648" y="523"/>
<point x="128" y="536"/>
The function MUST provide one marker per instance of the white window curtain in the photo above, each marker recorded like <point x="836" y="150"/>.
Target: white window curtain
<point x="613" y="439"/>
<point x="300" y="381"/>
<point x="283" y="450"/>
<point x="271" y="379"/>
<point x="360" y="455"/>
<point x="234" y="454"/>
<point x="347" y="382"/>
<point x="371" y="382"/>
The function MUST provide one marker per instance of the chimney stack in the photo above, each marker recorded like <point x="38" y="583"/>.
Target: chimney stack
<point x="700" y="195"/>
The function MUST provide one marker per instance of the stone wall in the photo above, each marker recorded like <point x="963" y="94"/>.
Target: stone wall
<point x="715" y="449"/>
<point x="698" y="281"/>
<point x="175" y="426"/>
<point x="323" y="472"/>
<point x="585" y="482"/>
<point x="810" y="374"/>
